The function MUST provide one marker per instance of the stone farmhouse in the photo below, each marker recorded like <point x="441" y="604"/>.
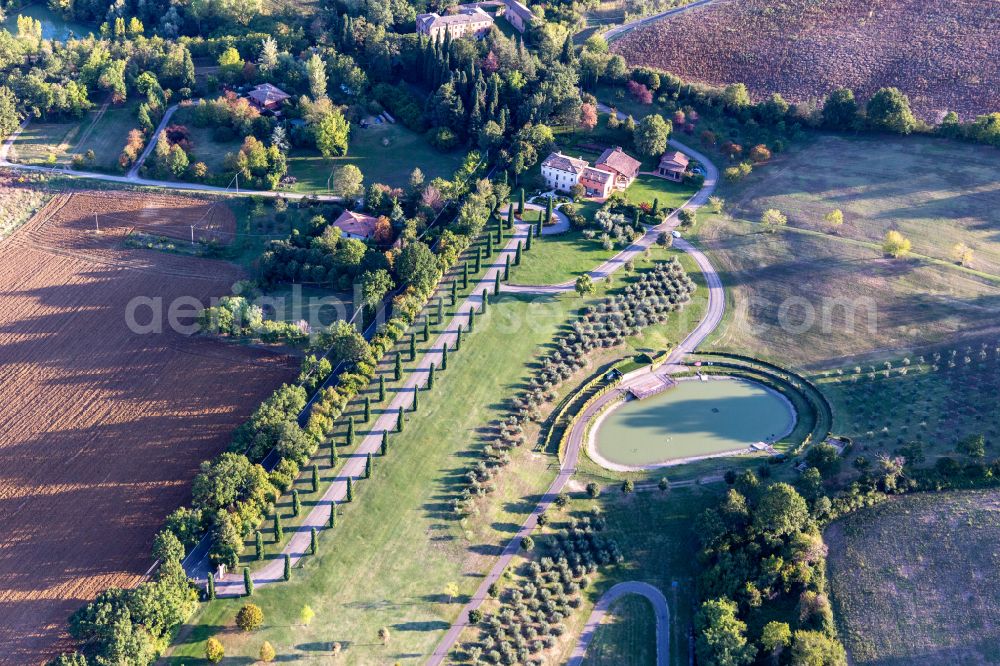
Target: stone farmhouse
<point x="468" y="20"/>
<point x="518" y="15"/>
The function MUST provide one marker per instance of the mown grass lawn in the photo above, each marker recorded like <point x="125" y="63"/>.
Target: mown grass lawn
<point x="555" y="259"/>
<point x="646" y="189"/>
<point x="627" y="637"/>
<point x="38" y="141"/>
<point x="204" y="146"/>
<point x="385" y="153"/>
<point x="108" y="135"/>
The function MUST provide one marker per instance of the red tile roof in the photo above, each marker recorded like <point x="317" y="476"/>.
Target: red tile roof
<point x="356" y="224"/>
<point x="616" y="159"/>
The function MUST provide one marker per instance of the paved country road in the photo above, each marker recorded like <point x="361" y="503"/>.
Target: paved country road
<point x="713" y="315"/>
<point x="614" y="33"/>
<point x="618" y="591"/>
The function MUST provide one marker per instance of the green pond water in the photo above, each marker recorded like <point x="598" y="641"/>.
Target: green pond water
<point x="694" y="418"/>
<point x="53" y="25"/>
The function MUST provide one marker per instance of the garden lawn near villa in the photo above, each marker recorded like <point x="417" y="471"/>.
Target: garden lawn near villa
<point x="389" y="163"/>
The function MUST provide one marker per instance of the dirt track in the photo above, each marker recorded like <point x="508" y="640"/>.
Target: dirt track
<point x="101" y="429"/>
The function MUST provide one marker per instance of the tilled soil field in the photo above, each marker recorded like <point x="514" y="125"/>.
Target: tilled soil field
<point x="101" y="427"/>
<point x="944" y="55"/>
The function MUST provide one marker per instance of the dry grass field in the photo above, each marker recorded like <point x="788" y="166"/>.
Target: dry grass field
<point x="811" y="298"/>
<point x="945" y="56"/>
<point x="915" y="580"/>
<point x="102" y="429"/>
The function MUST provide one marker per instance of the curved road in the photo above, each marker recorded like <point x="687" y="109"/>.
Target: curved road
<point x="660" y="609"/>
<point x="713" y="315"/>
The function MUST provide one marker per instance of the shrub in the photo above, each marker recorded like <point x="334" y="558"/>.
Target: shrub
<point x="214" y="651"/>
<point x="250" y="617"/>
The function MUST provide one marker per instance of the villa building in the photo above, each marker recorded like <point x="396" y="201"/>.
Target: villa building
<point x="468" y="20"/>
<point x="356" y="225"/>
<point x="562" y="172"/>
<point x="673" y="166"/>
<point x="620" y="163"/>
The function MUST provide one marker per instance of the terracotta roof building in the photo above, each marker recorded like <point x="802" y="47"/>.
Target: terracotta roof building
<point x="468" y="20"/>
<point x="597" y="182"/>
<point x="673" y="165"/>
<point x="267" y="97"/>
<point x="617" y="161"/>
<point x="356" y="225"/>
<point x="561" y="172"/>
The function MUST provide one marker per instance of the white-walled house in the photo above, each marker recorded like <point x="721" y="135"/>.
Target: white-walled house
<point x="562" y="172"/>
<point x="467" y="20"/>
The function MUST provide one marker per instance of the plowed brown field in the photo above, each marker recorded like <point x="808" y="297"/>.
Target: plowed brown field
<point x="101" y="428"/>
<point x="944" y="55"/>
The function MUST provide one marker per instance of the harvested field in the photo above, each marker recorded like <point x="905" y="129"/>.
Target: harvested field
<point x="945" y="56"/>
<point x="102" y="428"/>
<point x="915" y="580"/>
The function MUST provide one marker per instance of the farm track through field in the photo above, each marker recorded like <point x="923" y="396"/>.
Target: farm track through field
<point x="102" y="429"/>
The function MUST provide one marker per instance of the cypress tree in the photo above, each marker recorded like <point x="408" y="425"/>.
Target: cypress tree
<point x="465" y="276"/>
<point x="427" y="329"/>
<point x="287" y="574"/>
<point x="472" y="319"/>
<point x="635" y="223"/>
<point x="211" y="586"/>
<point x="247" y="582"/>
<point x="368" y="409"/>
<point x="279" y="533"/>
<point x="368" y="466"/>
<point x="506" y="270"/>
<point x="486" y="301"/>
<point x="399" y="421"/>
<point x="259" y="545"/>
<point x="510" y="217"/>
<point x="531" y="232"/>
<point x="458" y="338"/>
<point x="349" y="438"/>
<point x="333" y="454"/>
<point x="413" y="346"/>
<point x="350" y="489"/>
<point x="499" y="232"/>
<point x="296" y="503"/>
<point x="479" y="260"/>
<point x="313" y="545"/>
<point x="520" y="202"/>
<point x="517" y="254"/>
<point x="398" y="373"/>
<point x="430" y="377"/>
<point x="538" y="224"/>
<point x="333" y="514"/>
<point x="656" y="207"/>
<point x="381" y="388"/>
<point x="548" y="213"/>
<point x="496" y="283"/>
<point x="440" y="311"/>
<point x="315" y="477"/>
<point x="415" y="405"/>
<point x="454" y="289"/>
<point x="489" y="245"/>
<point x="384" y="446"/>
<point x="444" y="356"/>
